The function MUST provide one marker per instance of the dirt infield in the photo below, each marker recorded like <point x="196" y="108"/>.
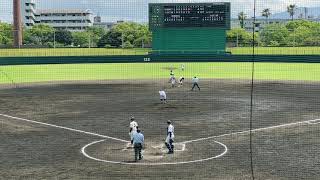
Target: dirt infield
<point x="37" y="151"/>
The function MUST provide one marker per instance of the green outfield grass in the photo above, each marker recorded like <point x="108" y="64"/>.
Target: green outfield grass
<point x="63" y="72"/>
<point x="104" y="51"/>
<point x="277" y="50"/>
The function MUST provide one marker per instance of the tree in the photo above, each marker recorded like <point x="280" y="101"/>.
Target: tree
<point x="64" y="37"/>
<point x="127" y="45"/>
<point x="291" y="9"/>
<point x="266" y="13"/>
<point x="142" y="42"/>
<point x="242" y="17"/>
<point x="112" y="39"/>
<point x="81" y="39"/>
<point x="95" y="33"/>
<point x="6" y="34"/>
<point x="239" y="37"/>
<point x="40" y="34"/>
<point x="274" y="34"/>
<point x="136" y="34"/>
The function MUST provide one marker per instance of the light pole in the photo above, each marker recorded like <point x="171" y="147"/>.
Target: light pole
<point x="54" y="39"/>
<point x="122" y="39"/>
<point x="237" y="39"/>
<point x="89" y="40"/>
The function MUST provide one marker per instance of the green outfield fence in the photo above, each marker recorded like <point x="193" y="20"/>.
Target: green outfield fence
<point x="158" y="58"/>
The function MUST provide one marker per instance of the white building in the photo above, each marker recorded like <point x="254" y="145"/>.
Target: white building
<point x="69" y="19"/>
<point x="28" y="12"/>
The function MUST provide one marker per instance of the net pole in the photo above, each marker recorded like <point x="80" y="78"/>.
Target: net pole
<point x="252" y="89"/>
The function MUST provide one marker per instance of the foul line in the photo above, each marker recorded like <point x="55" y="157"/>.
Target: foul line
<point x="316" y="121"/>
<point x="254" y="130"/>
<point x="312" y="122"/>
<point x="61" y="127"/>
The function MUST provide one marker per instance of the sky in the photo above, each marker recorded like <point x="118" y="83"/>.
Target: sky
<point x="137" y="10"/>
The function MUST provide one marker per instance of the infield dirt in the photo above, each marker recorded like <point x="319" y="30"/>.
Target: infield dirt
<point x="32" y="151"/>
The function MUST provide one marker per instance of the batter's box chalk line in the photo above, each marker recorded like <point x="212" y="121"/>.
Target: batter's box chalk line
<point x="179" y="147"/>
<point x="84" y="152"/>
<point x="83" y="149"/>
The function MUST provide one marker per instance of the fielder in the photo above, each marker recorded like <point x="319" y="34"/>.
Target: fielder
<point x="173" y="82"/>
<point x="182" y="67"/>
<point x="170" y="137"/>
<point x="163" y="96"/>
<point x="171" y="76"/>
<point x="181" y="81"/>
<point x="133" y="128"/>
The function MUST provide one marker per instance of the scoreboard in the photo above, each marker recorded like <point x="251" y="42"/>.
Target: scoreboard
<point x="170" y="15"/>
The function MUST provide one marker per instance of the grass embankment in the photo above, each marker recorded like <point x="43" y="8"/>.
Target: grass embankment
<point x="104" y="51"/>
<point x="70" y="52"/>
<point x="63" y="72"/>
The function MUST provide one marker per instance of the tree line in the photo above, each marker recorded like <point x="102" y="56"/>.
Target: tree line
<point x="294" y="33"/>
<point x="134" y="35"/>
<point x="126" y="35"/>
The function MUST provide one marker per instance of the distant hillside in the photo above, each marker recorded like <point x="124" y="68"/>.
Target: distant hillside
<point x="301" y="12"/>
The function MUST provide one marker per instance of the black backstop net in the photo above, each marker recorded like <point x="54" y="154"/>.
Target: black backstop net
<point x="219" y="90"/>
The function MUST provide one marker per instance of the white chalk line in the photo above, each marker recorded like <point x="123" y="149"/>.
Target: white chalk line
<point x="162" y="146"/>
<point x="312" y="122"/>
<point x="316" y="121"/>
<point x="108" y="137"/>
<point x="254" y="130"/>
<point x="184" y="142"/>
<point x="66" y="128"/>
<point x="83" y="151"/>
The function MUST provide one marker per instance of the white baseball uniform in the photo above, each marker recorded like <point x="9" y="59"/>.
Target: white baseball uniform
<point x="133" y="126"/>
<point x="163" y="95"/>
<point x="170" y="129"/>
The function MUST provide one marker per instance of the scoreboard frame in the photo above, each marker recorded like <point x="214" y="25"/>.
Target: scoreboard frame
<point x="180" y="15"/>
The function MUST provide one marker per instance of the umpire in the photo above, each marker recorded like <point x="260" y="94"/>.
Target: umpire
<point x="138" y="140"/>
<point x="195" y="82"/>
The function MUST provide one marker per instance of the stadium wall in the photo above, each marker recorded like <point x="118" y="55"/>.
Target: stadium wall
<point x="158" y="58"/>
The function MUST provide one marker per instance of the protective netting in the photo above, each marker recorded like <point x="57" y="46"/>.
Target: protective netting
<point x="242" y="92"/>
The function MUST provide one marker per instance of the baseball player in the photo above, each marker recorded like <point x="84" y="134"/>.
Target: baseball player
<point x="133" y="128"/>
<point x="171" y="76"/>
<point x="173" y="82"/>
<point x="170" y="137"/>
<point x="163" y="96"/>
<point x="182" y="67"/>
<point x="181" y="81"/>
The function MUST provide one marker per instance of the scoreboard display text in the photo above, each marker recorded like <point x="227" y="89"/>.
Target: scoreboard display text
<point x="166" y="15"/>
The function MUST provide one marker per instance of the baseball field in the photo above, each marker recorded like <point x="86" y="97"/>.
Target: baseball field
<point x="71" y="121"/>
